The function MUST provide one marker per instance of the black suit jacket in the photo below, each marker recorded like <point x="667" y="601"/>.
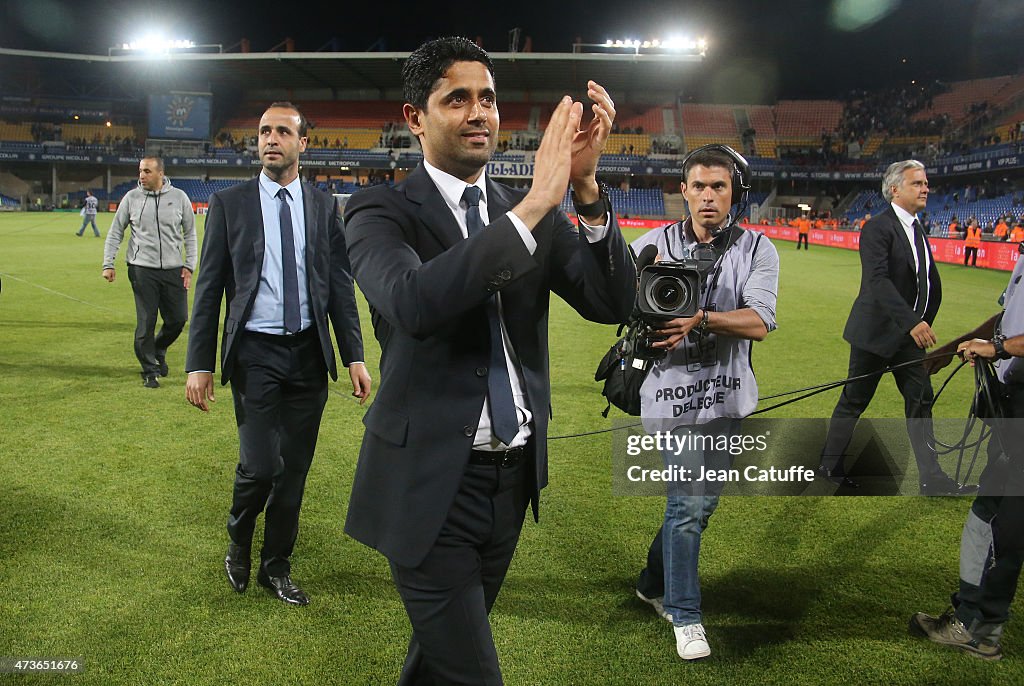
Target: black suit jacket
<point x="427" y="287"/>
<point x="230" y="266"/>
<point x="883" y="313"/>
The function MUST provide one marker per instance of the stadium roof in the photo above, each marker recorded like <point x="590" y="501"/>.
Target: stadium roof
<point x="628" y="75"/>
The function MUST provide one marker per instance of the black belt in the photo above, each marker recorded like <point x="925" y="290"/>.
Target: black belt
<point x="502" y="458"/>
<point x="289" y="340"/>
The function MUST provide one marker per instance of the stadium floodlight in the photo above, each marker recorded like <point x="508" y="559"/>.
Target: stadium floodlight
<point x="654" y="46"/>
<point x="156" y="45"/>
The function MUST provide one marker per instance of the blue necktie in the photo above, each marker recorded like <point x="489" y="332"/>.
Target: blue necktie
<point x="292" y="320"/>
<point x="504" y="419"/>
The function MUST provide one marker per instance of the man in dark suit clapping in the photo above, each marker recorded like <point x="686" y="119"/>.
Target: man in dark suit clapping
<point x="891" y="323"/>
<point x="458" y="271"/>
<point x="275" y="249"/>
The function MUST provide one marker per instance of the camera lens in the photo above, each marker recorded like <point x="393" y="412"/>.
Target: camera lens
<point x="667" y="293"/>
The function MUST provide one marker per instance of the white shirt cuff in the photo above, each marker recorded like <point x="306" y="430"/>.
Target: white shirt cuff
<point x="593" y="233"/>
<point x="524" y="232"/>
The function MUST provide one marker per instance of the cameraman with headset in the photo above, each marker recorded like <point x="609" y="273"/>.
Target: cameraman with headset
<point x="992" y="543"/>
<point x="704" y="383"/>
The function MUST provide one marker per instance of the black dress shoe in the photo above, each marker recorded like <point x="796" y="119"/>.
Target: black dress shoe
<point x="943" y="484"/>
<point x="284" y="588"/>
<point x="836" y="477"/>
<point x="237" y="566"/>
<point x="161" y="361"/>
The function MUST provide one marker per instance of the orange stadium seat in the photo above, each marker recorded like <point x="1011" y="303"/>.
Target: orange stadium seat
<point x="650" y="118"/>
<point x="16" y="132"/>
<point x="762" y="120"/>
<point x="957" y="100"/>
<point x="801" y="121"/>
<point x="97" y="132"/>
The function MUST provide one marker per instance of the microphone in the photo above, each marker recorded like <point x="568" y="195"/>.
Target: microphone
<point x="649" y="254"/>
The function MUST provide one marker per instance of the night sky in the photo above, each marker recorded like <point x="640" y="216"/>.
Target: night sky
<point x="759" y="51"/>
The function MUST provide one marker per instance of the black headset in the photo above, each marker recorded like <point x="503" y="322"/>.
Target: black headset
<point x="740" y="169"/>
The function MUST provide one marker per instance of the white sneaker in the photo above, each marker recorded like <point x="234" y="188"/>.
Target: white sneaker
<point x="690" y="642"/>
<point x="656" y="604"/>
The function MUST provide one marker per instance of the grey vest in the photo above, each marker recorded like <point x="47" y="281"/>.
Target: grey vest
<point x="698" y="382"/>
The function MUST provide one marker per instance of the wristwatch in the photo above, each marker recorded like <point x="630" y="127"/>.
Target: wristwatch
<point x="998" y="342"/>
<point x="703" y="326"/>
<point x="597" y="208"/>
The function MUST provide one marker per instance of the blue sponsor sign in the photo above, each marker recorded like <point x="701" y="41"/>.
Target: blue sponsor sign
<point x="180" y="115"/>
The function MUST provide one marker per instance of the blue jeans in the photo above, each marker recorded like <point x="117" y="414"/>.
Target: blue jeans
<point x="86" y="220"/>
<point x="673" y="555"/>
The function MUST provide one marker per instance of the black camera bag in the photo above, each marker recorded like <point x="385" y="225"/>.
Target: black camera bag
<point x="623" y="374"/>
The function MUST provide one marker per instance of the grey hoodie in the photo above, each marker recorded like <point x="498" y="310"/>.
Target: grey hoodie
<point x="160" y="222"/>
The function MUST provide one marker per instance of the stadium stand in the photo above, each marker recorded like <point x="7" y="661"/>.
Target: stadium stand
<point x="97" y="133"/>
<point x="864" y="202"/>
<point x="957" y="101"/>
<point x="762" y="120"/>
<point x="645" y="202"/>
<point x="801" y="122"/>
<point x="709" y="120"/>
<point x="942" y="207"/>
<point x="1008" y="123"/>
<point x="17" y="132"/>
<point x="628" y="144"/>
<point x="648" y="119"/>
<point x="520" y="116"/>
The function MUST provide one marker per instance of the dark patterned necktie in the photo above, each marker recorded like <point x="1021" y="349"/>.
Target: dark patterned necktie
<point x="292" y="320"/>
<point x="504" y="419"/>
<point x="922" y="269"/>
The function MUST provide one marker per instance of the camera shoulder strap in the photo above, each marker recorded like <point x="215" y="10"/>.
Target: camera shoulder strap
<point x="735" y="231"/>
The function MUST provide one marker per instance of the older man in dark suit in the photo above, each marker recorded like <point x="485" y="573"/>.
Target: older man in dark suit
<point x="458" y="270"/>
<point x="891" y="324"/>
<point x="274" y="247"/>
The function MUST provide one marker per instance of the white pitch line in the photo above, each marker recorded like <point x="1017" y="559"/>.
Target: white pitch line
<point x="63" y="295"/>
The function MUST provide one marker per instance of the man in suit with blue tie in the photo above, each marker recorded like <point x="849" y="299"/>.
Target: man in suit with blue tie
<point x="275" y="248"/>
<point x="458" y="271"/>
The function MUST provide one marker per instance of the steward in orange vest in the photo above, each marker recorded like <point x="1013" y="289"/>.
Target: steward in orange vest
<point x="972" y="241"/>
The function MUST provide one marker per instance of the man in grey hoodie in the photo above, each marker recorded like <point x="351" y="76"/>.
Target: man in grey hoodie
<point x="162" y="221"/>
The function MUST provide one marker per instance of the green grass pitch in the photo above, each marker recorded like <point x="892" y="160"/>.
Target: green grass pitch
<point x="114" y="501"/>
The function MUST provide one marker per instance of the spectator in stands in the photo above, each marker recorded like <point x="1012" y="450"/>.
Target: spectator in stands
<point x="1002" y="229"/>
<point x="89" y="208"/>
<point x="1017" y="234"/>
<point x="162" y="224"/>
<point x="972" y="241"/>
<point x="953" y="230"/>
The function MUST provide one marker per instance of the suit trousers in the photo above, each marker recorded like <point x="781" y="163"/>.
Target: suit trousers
<point x="279" y="387"/>
<point x="157" y="290"/>
<point x="916" y="390"/>
<point x="449" y="595"/>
